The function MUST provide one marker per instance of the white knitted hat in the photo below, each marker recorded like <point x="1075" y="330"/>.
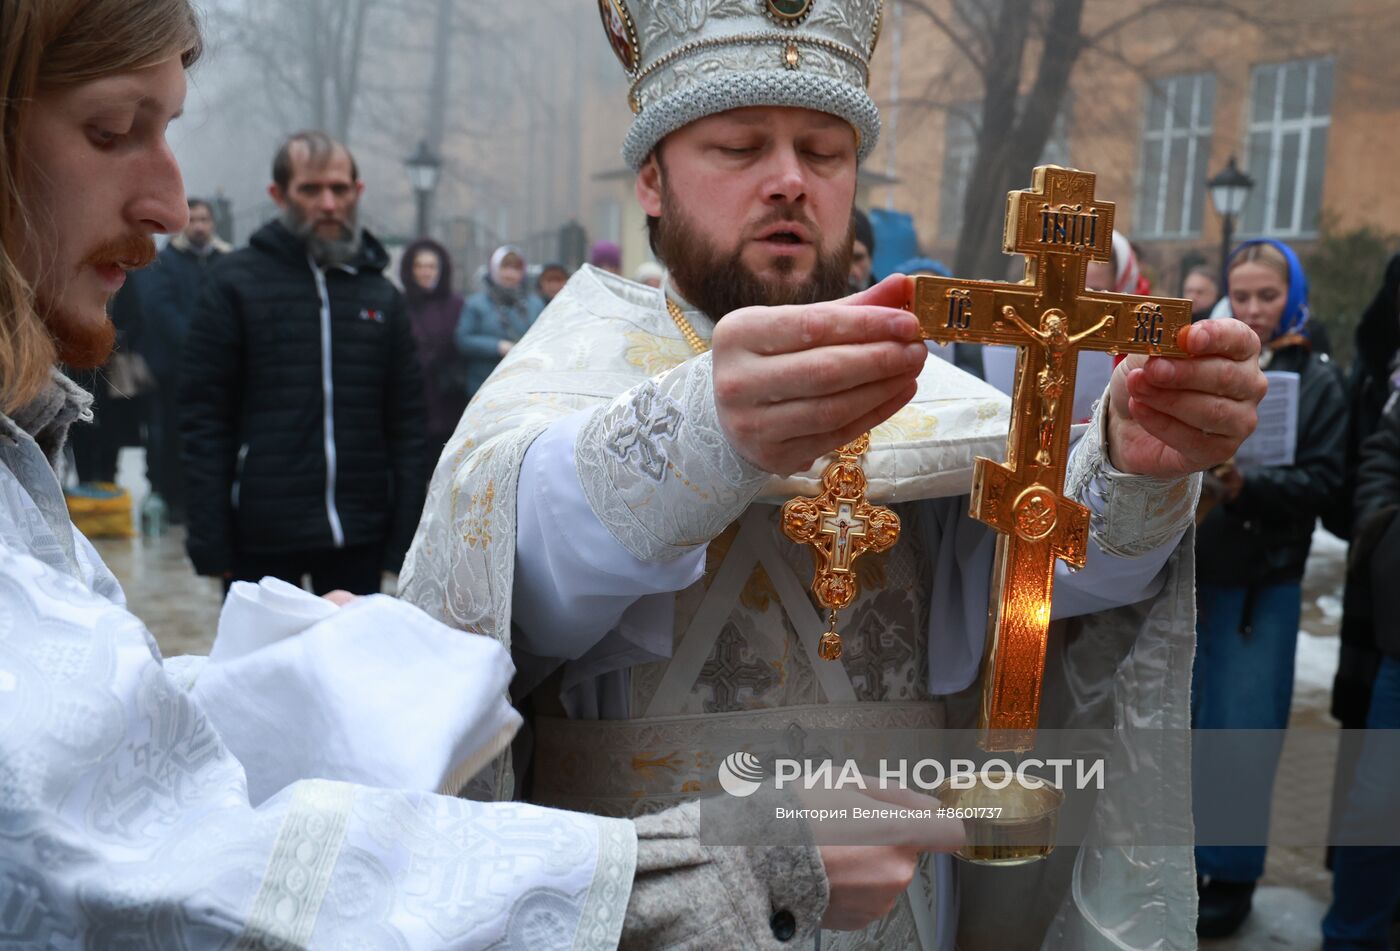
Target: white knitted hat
<point x="688" y="59"/>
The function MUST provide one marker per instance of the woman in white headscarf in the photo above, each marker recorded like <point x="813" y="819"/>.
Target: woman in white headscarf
<point x="495" y="317"/>
<point x="1122" y="275"/>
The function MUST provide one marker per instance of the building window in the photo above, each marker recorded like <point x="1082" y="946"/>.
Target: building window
<point x="1180" y="112"/>
<point x="960" y="151"/>
<point x="1289" y="115"/>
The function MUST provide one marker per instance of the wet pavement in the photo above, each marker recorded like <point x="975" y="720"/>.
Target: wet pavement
<point x="180" y="608"/>
<point x="182" y="612"/>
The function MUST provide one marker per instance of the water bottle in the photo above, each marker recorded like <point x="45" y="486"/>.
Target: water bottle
<point x="153" y="517"/>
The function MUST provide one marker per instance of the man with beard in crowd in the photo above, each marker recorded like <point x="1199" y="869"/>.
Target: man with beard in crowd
<point x="610" y="510"/>
<point x="302" y="406"/>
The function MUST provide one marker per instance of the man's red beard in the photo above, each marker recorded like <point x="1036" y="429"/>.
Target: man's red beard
<point x="83" y="342"/>
<point x="718" y="282"/>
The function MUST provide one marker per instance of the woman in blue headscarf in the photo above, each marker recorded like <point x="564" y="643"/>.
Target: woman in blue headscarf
<point x="1250" y="551"/>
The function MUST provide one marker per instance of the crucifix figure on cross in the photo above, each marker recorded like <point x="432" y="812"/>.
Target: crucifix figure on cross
<point x="843" y="526"/>
<point x="1059" y="227"/>
<point x="1051" y="381"/>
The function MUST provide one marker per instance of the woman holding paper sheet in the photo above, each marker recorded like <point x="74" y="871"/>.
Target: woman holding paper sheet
<point x="1251" y="549"/>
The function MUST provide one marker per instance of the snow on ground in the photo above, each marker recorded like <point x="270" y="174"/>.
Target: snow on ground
<point x="1325" y="544"/>
<point x="1318" y="643"/>
<point x="1316" y="661"/>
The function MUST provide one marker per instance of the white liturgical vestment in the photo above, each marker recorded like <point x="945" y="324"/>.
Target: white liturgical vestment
<point x="590" y="513"/>
<point x="125" y="819"/>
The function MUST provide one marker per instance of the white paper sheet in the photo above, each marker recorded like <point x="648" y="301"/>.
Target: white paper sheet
<point x="1275" y="439"/>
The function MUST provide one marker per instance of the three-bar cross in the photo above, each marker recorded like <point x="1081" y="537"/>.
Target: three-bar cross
<point x="1050" y="317"/>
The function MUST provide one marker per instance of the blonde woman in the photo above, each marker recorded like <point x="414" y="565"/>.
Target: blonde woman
<point x="1250" y="551"/>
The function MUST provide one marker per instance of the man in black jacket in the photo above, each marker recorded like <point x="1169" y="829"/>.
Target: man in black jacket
<point x="302" y="410"/>
<point x="169" y="291"/>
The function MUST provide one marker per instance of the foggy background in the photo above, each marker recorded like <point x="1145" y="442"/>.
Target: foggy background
<point x="489" y="88"/>
<point x="525" y="105"/>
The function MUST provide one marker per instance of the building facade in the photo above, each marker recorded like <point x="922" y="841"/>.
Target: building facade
<point x="1306" y="97"/>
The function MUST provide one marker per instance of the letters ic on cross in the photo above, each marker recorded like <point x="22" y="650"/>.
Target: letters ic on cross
<point x="1049" y="317"/>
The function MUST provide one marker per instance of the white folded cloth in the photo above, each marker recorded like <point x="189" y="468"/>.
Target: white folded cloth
<point x="376" y="692"/>
<point x="256" y="615"/>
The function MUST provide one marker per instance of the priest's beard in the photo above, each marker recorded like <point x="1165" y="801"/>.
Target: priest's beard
<point x="85" y="339"/>
<point x="718" y="282"/>
<point x="327" y="252"/>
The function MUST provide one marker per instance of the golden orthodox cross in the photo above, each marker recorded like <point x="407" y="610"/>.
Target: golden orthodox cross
<point x="1050" y="317"/>
<point x="840" y="525"/>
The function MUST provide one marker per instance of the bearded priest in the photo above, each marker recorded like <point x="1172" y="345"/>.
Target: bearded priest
<point x="609" y="505"/>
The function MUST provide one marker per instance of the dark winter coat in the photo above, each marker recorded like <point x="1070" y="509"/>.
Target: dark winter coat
<point x="1368" y="386"/>
<point x="1263" y="536"/>
<point x="169" y="290"/>
<point x="1376" y="540"/>
<point x="302" y="407"/>
<point x="433" y="316"/>
<point x="490" y="316"/>
<point x="1368" y="389"/>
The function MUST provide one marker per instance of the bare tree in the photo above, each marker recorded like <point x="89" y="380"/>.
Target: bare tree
<point x="493" y="88"/>
<point x="1024" y="55"/>
<point x="309" y="55"/>
<point x="441" y="77"/>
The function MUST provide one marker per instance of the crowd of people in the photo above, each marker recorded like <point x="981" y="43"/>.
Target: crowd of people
<point x="578" y="468"/>
<point x="248" y="455"/>
<point x="458" y="339"/>
<point x="282" y="351"/>
<point x="230" y="450"/>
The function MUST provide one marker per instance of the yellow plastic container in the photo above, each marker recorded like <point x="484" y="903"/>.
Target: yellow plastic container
<point x="101" y="510"/>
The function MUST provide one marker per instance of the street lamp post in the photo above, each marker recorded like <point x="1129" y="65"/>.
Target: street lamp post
<point x="1229" y="190"/>
<point x="423" y="169"/>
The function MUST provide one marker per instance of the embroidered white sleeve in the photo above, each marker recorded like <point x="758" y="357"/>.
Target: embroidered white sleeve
<point x="1130" y="515"/>
<point x="657" y="469"/>
<point x="573" y="580"/>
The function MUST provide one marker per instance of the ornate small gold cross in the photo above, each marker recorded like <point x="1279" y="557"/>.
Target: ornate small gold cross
<point x="1059" y="227"/>
<point x="840" y="525"/>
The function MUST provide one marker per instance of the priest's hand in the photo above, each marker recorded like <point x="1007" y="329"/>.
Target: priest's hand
<point x="793" y="383"/>
<point x="1169" y="418"/>
<point x="866" y="878"/>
